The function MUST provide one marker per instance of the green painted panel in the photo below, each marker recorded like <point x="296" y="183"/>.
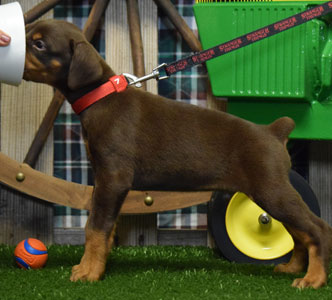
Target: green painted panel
<point x="287" y="74"/>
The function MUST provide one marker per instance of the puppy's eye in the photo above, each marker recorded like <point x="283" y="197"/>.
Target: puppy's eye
<point x="39" y="45"/>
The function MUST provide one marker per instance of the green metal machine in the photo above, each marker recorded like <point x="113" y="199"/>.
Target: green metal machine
<point x="289" y="74"/>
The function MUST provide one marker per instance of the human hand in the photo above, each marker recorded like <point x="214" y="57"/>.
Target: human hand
<point x="4" y="39"/>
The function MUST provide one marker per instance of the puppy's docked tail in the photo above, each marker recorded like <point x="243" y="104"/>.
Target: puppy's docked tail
<point x="282" y="128"/>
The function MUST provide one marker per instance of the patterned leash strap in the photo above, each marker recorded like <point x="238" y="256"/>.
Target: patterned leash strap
<point x="164" y="70"/>
<point x="248" y="39"/>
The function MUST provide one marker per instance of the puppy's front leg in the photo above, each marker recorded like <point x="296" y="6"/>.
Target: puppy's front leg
<point x="109" y="194"/>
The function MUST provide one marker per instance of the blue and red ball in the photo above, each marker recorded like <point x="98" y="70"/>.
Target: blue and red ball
<point x="31" y="254"/>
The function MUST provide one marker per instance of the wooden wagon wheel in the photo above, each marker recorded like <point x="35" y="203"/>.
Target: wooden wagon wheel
<point x="24" y="178"/>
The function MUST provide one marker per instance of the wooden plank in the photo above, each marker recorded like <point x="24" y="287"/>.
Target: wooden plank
<point x="320" y="175"/>
<point x="69" y="236"/>
<point x="22" y="109"/>
<point x="136" y="230"/>
<point x="62" y="192"/>
<point x="76" y="236"/>
<point x="163" y="201"/>
<point x="43" y="186"/>
<point x="16" y="220"/>
<point x="182" y="237"/>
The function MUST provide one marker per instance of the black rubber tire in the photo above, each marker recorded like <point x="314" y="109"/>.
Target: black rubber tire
<point x="217" y="213"/>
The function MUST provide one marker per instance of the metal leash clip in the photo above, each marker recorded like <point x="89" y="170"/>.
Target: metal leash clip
<point x="137" y="81"/>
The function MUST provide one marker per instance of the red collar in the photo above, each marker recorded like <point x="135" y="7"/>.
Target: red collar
<point x="117" y="83"/>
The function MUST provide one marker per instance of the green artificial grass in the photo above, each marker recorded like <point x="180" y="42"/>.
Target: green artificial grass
<point x="150" y="273"/>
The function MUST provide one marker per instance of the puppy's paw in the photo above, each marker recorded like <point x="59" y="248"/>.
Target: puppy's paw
<point x="307" y="282"/>
<point x="82" y="272"/>
<point x="288" y="268"/>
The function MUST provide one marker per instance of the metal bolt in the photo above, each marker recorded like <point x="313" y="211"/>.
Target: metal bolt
<point x="20" y="176"/>
<point x="264" y="219"/>
<point x="148" y="200"/>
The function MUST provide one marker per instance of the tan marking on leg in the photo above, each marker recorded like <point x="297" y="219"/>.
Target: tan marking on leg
<point x="92" y="265"/>
<point x="299" y="260"/>
<point x="111" y="238"/>
<point x="93" y="262"/>
<point x="316" y="275"/>
<point x="297" y="263"/>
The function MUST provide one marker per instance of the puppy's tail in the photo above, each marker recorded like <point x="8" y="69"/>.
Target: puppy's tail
<point x="282" y="127"/>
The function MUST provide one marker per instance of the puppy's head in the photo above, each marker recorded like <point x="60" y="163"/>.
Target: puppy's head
<point x="59" y="55"/>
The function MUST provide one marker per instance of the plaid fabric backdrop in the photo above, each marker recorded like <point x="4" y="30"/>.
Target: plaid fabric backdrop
<point x="70" y="159"/>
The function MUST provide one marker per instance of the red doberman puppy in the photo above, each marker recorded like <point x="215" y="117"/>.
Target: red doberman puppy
<point x="140" y="141"/>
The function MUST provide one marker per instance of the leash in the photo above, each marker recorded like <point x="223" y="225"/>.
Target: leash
<point x="120" y="83"/>
<point x="247" y="39"/>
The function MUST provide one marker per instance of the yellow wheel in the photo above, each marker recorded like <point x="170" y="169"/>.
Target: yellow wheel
<point x="254" y="232"/>
<point x="243" y="232"/>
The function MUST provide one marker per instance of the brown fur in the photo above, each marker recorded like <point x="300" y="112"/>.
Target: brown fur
<point x="141" y="141"/>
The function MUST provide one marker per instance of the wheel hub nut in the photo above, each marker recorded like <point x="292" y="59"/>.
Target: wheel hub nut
<point x="264" y="219"/>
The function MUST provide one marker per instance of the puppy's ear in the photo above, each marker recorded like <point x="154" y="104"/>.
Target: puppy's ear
<point x="85" y="67"/>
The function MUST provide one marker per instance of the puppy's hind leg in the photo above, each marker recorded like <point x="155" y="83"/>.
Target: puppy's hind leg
<point x="286" y="205"/>
<point x="108" y="196"/>
<point x="299" y="260"/>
